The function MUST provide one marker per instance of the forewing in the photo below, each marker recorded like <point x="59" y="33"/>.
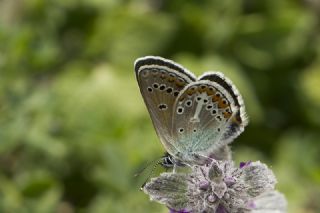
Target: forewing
<point x="202" y="113"/>
<point x="160" y="81"/>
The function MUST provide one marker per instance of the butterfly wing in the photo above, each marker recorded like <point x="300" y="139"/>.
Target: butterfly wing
<point x="240" y="120"/>
<point x="160" y="81"/>
<point x="206" y="117"/>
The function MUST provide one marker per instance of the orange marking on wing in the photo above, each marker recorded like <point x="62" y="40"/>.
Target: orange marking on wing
<point x="223" y="103"/>
<point x="210" y="91"/>
<point x="191" y="91"/>
<point x="202" y="88"/>
<point x="227" y="115"/>
<point x="236" y="119"/>
<point x="171" y="78"/>
<point x="182" y="98"/>
<point x="179" y="82"/>
<point x="198" y="89"/>
<point x="216" y="98"/>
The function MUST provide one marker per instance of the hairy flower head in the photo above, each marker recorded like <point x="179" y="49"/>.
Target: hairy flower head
<point x="216" y="187"/>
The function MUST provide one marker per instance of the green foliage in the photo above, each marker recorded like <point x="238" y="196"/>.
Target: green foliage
<point x="74" y="128"/>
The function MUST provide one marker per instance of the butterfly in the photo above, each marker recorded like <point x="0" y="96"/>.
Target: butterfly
<point x="195" y="118"/>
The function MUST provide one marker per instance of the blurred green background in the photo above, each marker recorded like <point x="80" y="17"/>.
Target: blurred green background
<point x="73" y="126"/>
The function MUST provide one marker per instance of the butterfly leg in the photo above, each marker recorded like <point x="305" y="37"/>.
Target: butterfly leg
<point x="174" y="168"/>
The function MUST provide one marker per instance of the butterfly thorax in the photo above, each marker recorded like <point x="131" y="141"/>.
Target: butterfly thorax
<point x="190" y="158"/>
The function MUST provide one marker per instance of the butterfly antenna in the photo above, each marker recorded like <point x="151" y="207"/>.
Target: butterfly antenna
<point x="144" y="168"/>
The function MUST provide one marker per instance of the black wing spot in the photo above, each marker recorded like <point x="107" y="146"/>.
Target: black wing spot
<point x="169" y="90"/>
<point x="209" y="107"/>
<point x="188" y="103"/>
<point x="155" y="85"/>
<point x="163" y="106"/>
<point x="162" y="87"/>
<point x="180" y="110"/>
<point x="149" y="89"/>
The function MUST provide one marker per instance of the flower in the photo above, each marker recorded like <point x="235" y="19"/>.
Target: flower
<point x="179" y="211"/>
<point x="218" y="187"/>
<point x="270" y="202"/>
